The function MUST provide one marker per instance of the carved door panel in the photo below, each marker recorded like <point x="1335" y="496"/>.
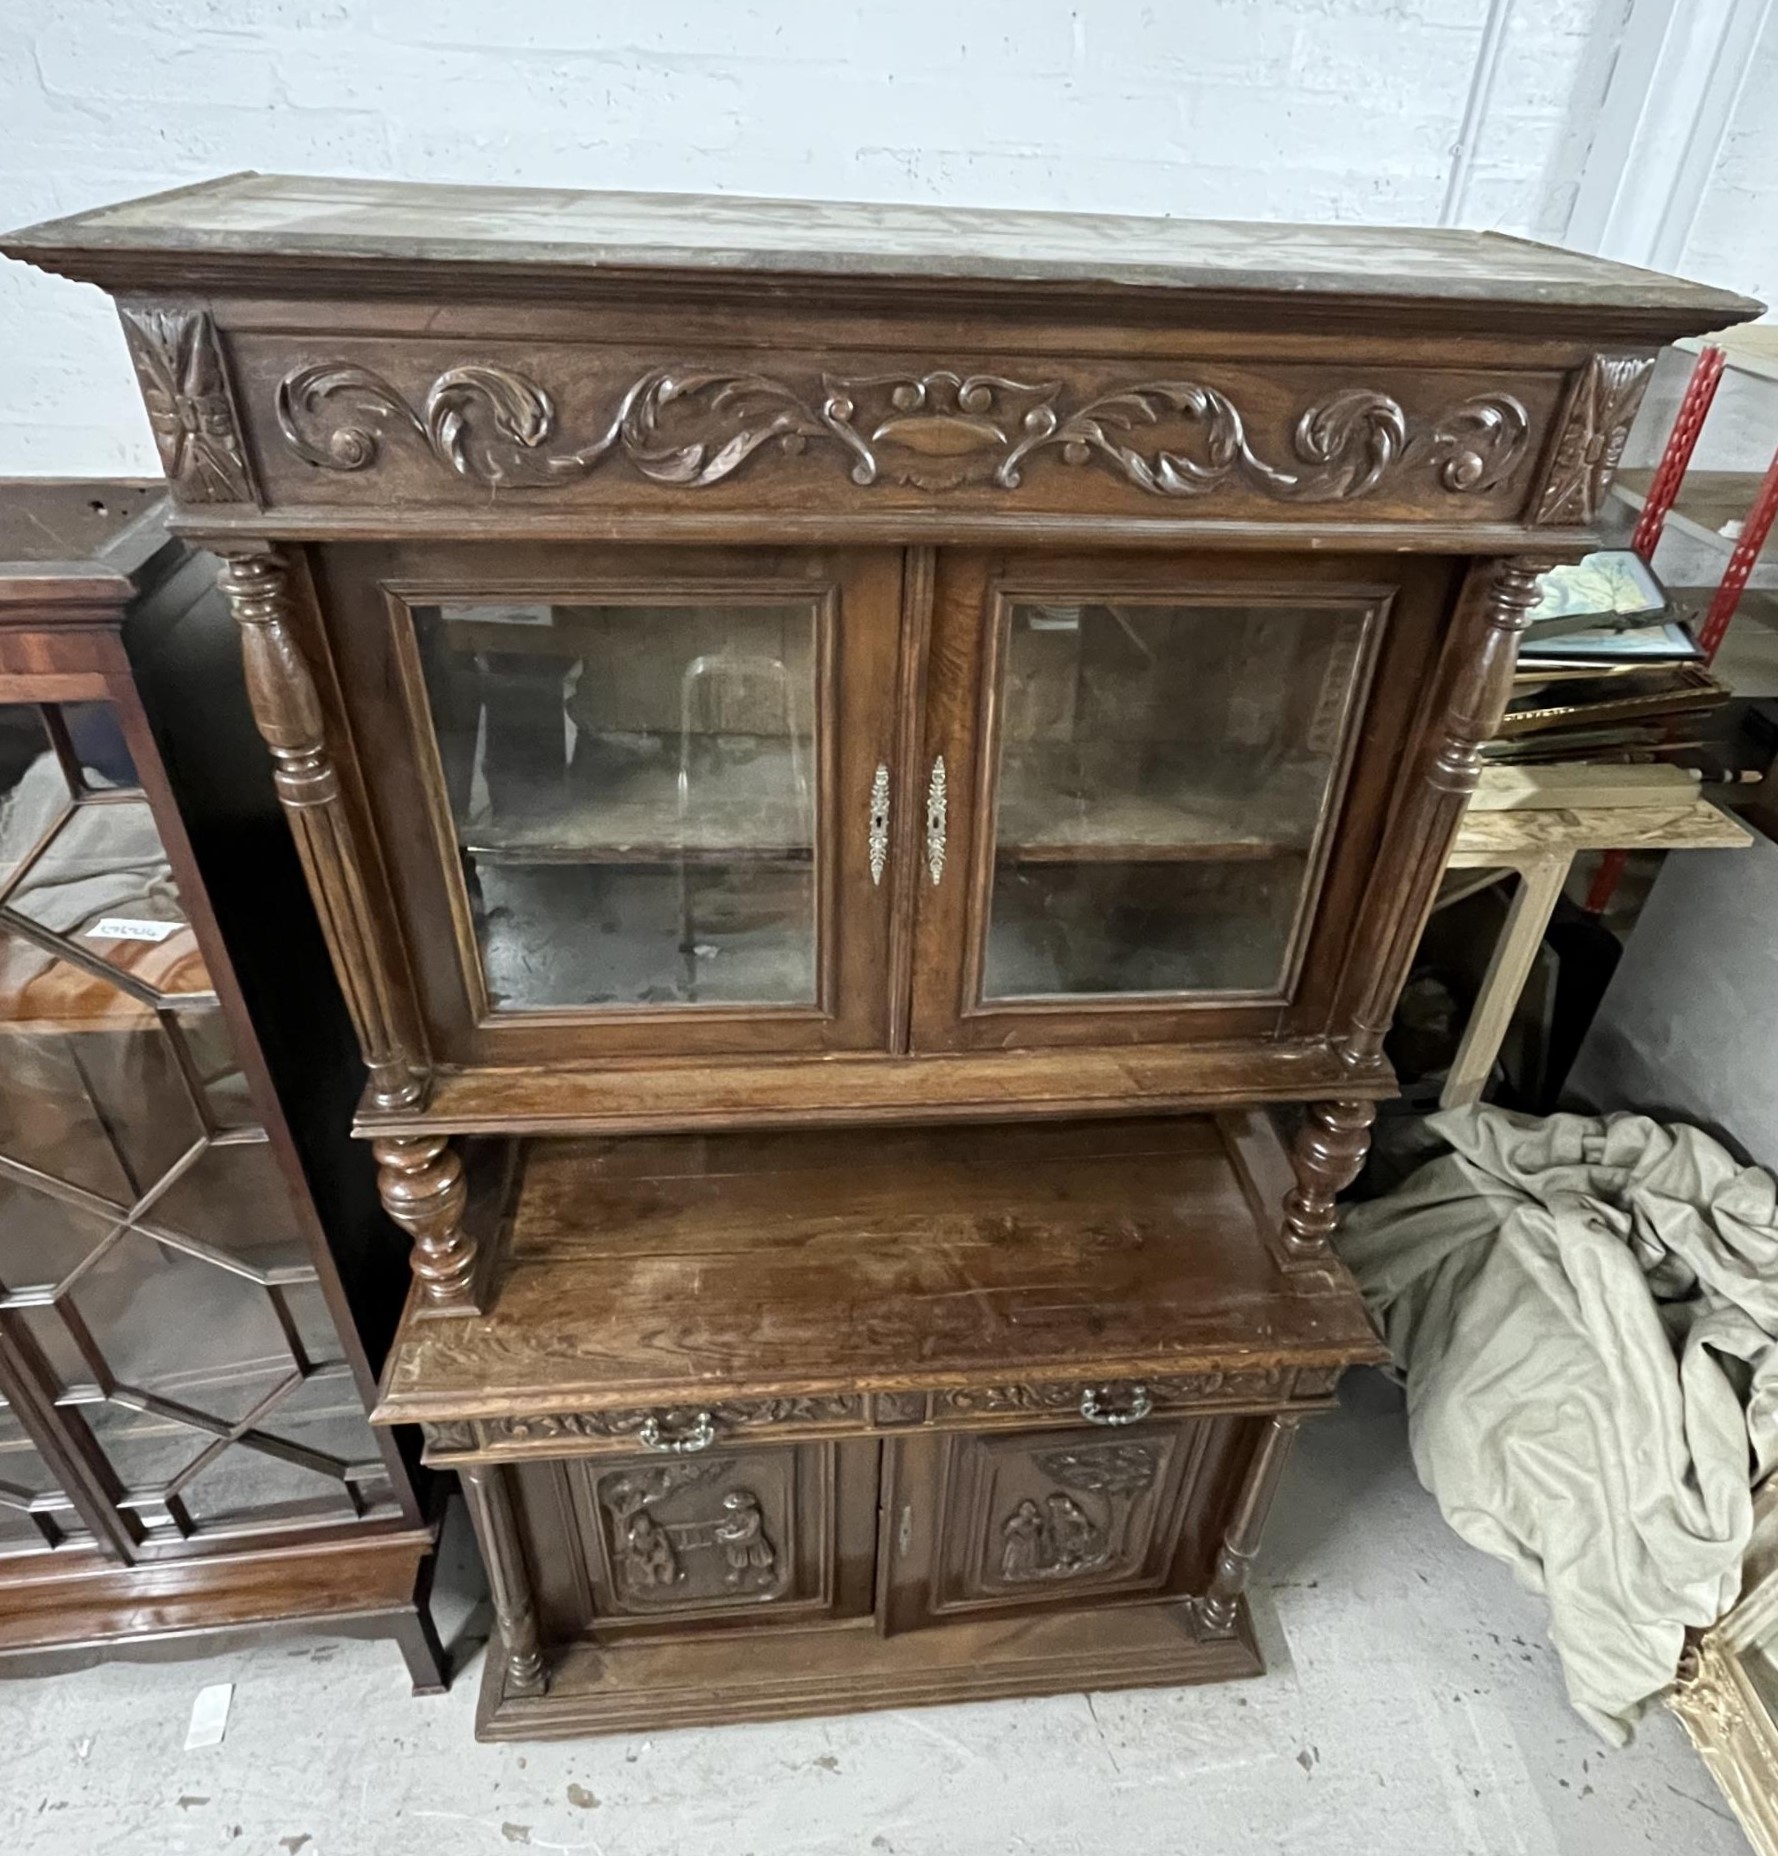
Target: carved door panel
<point x="1153" y="788"/>
<point x="784" y="1533"/>
<point x="1008" y="1522"/>
<point x="634" y="801"/>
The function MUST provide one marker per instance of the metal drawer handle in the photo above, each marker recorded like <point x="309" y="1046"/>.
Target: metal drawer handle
<point x="700" y="1437"/>
<point x="1139" y="1407"/>
<point x="879" y="823"/>
<point x="937" y="807"/>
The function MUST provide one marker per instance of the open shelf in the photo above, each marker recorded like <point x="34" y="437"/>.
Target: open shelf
<point x="848" y="1260"/>
<point x="1707" y="500"/>
<point x="1050" y="813"/>
<point x="616" y="806"/>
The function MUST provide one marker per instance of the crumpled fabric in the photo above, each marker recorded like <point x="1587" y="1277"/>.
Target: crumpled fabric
<point x="1586" y="1314"/>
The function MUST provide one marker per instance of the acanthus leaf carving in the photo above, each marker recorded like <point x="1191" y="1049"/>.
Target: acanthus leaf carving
<point x="1594" y="432"/>
<point x="1478" y="444"/>
<point x="941" y="430"/>
<point x="185" y="389"/>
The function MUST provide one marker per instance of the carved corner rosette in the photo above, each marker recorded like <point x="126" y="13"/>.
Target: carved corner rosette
<point x="191" y="409"/>
<point x="686" y="428"/>
<point x="1595" y="428"/>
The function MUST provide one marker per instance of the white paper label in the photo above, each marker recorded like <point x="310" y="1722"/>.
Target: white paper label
<point x="499" y="615"/>
<point x="209" y="1715"/>
<point x="130" y="928"/>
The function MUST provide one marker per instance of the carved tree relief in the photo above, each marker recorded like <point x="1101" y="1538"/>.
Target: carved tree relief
<point x="652" y="1555"/>
<point x="179" y="367"/>
<point x="943" y="430"/>
<point x="1057" y="1538"/>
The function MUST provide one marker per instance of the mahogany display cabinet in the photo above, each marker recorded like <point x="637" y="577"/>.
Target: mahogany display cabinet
<point x="859" y="765"/>
<point x="185" y="1445"/>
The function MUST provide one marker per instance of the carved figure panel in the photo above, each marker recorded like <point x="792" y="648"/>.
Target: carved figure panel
<point x="663" y="1550"/>
<point x="940" y="429"/>
<point x="703" y="1533"/>
<point x="1022" y="1516"/>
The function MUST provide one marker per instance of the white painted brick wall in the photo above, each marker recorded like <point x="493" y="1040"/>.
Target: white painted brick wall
<point x="1734" y="239"/>
<point x="1270" y="109"/>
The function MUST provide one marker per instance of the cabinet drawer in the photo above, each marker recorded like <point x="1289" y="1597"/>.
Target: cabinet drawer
<point x="1025" y="1520"/>
<point x="784" y="1533"/>
<point x="679" y="1430"/>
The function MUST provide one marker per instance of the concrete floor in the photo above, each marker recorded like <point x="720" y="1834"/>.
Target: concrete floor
<point x="1413" y="1709"/>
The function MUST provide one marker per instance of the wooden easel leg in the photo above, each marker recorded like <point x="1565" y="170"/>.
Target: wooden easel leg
<point x="1534" y="902"/>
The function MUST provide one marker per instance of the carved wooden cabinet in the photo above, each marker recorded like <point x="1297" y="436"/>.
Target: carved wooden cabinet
<point x="849" y="757"/>
<point x="185" y="1445"/>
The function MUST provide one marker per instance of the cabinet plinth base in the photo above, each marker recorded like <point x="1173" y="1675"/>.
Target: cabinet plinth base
<point x="780" y="1675"/>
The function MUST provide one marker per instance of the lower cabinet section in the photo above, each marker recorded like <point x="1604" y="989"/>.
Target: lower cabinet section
<point x="783" y="1579"/>
<point x="729" y="1539"/>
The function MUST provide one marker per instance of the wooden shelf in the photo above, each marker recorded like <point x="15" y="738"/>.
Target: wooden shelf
<point x="1707" y="499"/>
<point x="630" y="812"/>
<point x="685" y="1267"/>
<point x="643" y="1096"/>
<point x="636" y="818"/>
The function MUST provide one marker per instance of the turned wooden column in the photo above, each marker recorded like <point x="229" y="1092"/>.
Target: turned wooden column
<point x="1472" y="684"/>
<point x="1328" y="1151"/>
<point x="287" y="708"/>
<point x="1240" y="1545"/>
<point x="420" y="1179"/>
<point x="490" y="1507"/>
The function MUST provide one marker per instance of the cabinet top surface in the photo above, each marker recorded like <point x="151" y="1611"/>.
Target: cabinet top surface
<point x="687" y="1266"/>
<point x="268" y="217"/>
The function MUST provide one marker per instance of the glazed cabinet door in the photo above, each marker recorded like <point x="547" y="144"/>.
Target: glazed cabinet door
<point x="170" y="1375"/>
<point x="1020" y="1521"/>
<point x="1153" y="786"/>
<point x="634" y="801"/>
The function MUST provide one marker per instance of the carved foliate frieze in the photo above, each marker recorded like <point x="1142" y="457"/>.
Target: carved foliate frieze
<point x="1594" y="431"/>
<point x="1168" y="1392"/>
<point x="897" y="1408"/>
<point x="671" y="1421"/>
<point x="185" y="388"/>
<point x="1316" y="1381"/>
<point x="684" y="428"/>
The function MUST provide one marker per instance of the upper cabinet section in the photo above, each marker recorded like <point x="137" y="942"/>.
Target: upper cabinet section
<point x="357" y="358"/>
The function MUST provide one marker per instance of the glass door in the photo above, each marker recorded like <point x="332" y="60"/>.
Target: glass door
<point x="654" y="817"/>
<point x="159" y="1301"/>
<point x="1140" y="793"/>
